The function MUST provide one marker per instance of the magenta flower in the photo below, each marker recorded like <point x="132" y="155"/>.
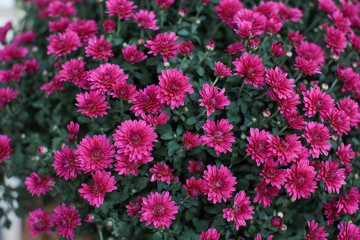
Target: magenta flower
<point x="300" y="180"/>
<point x="311" y="51"/>
<point x="331" y="211"/>
<point x="348" y="231"/>
<point x="156" y="120"/>
<point x="53" y="85"/>
<point x="235" y="47"/>
<point x="164" y="43"/>
<point x="135" y="139"/>
<point x="103" y="183"/>
<point x="125" y="166"/>
<point x="106" y="76"/>
<point x="196" y="166"/>
<point x="161" y="172"/>
<point x="66" y="163"/>
<point x="145" y="19"/>
<point x="295" y="121"/>
<point x="295" y="37"/>
<point x="221" y="70"/>
<point x="345" y="153"/>
<point x="85" y="29"/>
<point x="158" y="209"/>
<point x="227" y="9"/>
<point x="316" y="233"/>
<point x="316" y="134"/>
<point x="250" y="67"/>
<point x="134" y="209"/>
<point x="258" y="146"/>
<point x="339" y="121"/>
<point x="286" y="150"/>
<point x="219" y="183"/>
<point x="31" y="66"/>
<point x="37" y="184"/>
<point x="122" y="8"/>
<point x="59" y="25"/>
<point x="190" y="141"/>
<point x="92" y="104"/>
<point x="12" y="51"/>
<point x="95" y="153"/>
<point x="282" y="86"/>
<point x="60" y="9"/>
<point x="218" y="135"/>
<point x="258" y="237"/>
<point x="173" y="86"/>
<point x="333" y="177"/>
<point x="6" y="95"/>
<point x="5" y="149"/>
<point x="132" y="55"/>
<point x="210" y="234"/>
<point x="213" y="99"/>
<point x="164" y="4"/>
<point x="73" y="129"/>
<point x="315" y="100"/>
<point x="349" y="202"/>
<point x="123" y="90"/>
<point x="73" y="71"/>
<point x="146" y="101"/>
<point x="264" y="192"/>
<point x="194" y="187"/>
<point x="351" y="108"/>
<point x="109" y="25"/>
<point x="39" y="222"/>
<point x="99" y="49"/>
<point x="240" y="211"/>
<point x="186" y="48"/>
<point x="66" y="220"/>
<point x="63" y="43"/>
<point x="273" y="175"/>
<point x="335" y="39"/>
<point x="255" y="23"/>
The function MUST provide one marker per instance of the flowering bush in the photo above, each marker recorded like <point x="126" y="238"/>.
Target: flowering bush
<point x="183" y="119"/>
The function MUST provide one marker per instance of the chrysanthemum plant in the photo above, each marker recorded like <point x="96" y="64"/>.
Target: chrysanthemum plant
<point x="164" y="119"/>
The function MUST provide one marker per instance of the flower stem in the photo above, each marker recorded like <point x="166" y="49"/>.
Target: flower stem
<point x="118" y="27"/>
<point x="283" y="129"/>
<point x="298" y="77"/>
<point x="100" y="233"/>
<point x="332" y="85"/>
<point x="216" y="80"/>
<point x="241" y="88"/>
<point x="121" y="108"/>
<point x="161" y="18"/>
<point x="182" y="63"/>
<point x="198" y="116"/>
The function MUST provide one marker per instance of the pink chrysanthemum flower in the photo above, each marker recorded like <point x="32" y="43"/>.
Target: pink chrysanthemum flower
<point x="272" y="175"/>
<point x="258" y="146"/>
<point x="132" y="55"/>
<point x="258" y="237"/>
<point x="164" y="43"/>
<point x="31" y="66"/>
<point x="123" y="90"/>
<point x="308" y="67"/>
<point x="53" y="85"/>
<point x="348" y="231"/>
<point x="295" y="121"/>
<point x="351" y="108"/>
<point x="63" y="43"/>
<point x="300" y="180"/>
<point x="155" y="120"/>
<point x="135" y="139"/>
<point x="39" y="222"/>
<point x="335" y="39"/>
<point x="194" y="187"/>
<point x="37" y="184"/>
<point x="99" y="49"/>
<point x="109" y="25"/>
<point x="264" y="192"/>
<point x="73" y="129"/>
<point x="235" y="47"/>
<point x="5" y="149"/>
<point x="227" y="9"/>
<point x="122" y="8"/>
<point x="221" y="70"/>
<point x="60" y="9"/>
<point x="161" y="172"/>
<point x="348" y="77"/>
<point x="95" y="153"/>
<point x="164" y="4"/>
<point x="125" y="166"/>
<point x="355" y="41"/>
<point x="343" y="23"/>
<point x="25" y="37"/>
<point x="240" y="211"/>
<point x="254" y="22"/>
<point x="339" y="120"/>
<point x="328" y="6"/>
<point x="273" y="24"/>
<point x="287" y="150"/>
<point x="196" y="166"/>
<point x="12" y="51"/>
<point x="158" y="209"/>
<point x="250" y="67"/>
<point x="295" y="38"/>
<point x="333" y="177"/>
<point x="315" y="100"/>
<point x="186" y="48"/>
<point x="219" y="183"/>
<point x="14" y="73"/>
<point x="103" y="183"/>
<point x="345" y="153"/>
<point x="59" y="25"/>
<point x="85" y="29"/>
<point x="173" y="86"/>
<point x="331" y="211"/>
<point x="73" y="71"/>
<point x="218" y="135"/>
<point x="3" y="31"/>
<point x="349" y="202"/>
<point x="146" y="101"/>
<point x="210" y="234"/>
<point x="311" y="51"/>
<point x="6" y="95"/>
<point x="190" y="141"/>
<point x="316" y="233"/>
<point x="92" y="104"/>
<point x="287" y="13"/>
<point x="282" y="86"/>
<point x="286" y="105"/>
<point x="105" y="76"/>
<point x="66" y="163"/>
<point x="66" y="219"/>
<point x="134" y="209"/>
<point x="145" y="19"/>
<point x="213" y="99"/>
<point x="316" y="134"/>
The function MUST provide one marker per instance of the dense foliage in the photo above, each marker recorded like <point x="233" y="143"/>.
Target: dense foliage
<point x="163" y="119"/>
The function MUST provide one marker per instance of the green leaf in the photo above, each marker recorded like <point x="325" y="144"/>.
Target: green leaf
<point x="167" y="136"/>
<point x="191" y="120"/>
<point x="172" y="146"/>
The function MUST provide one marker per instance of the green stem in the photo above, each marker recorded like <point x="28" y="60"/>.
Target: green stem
<point x="216" y="80"/>
<point x="161" y="18"/>
<point x="272" y="116"/>
<point x="298" y="77"/>
<point x="121" y="108"/>
<point x="100" y="233"/>
<point x="198" y="116"/>
<point x="261" y="96"/>
<point x="241" y="88"/>
<point x="118" y="27"/>
<point x="282" y="130"/>
<point x="182" y="63"/>
<point x="332" y="85"/>
<point x="101" y="11"/>
<point x="200" y="10"/>
<point x="263" y="41"/>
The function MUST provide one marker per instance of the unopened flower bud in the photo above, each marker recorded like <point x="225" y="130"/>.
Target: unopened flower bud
<point x="253" y="119"/>
<point x="44" y="73"/>
<point x="42" y="149"/>
<point x="166" y="64"/>
<point x="335" y="57"/>
<point x="276" y="221"/>
<point x="283" y="228"/>
<point x="89" y="218"/>
<point x="141" y="41"/>
<point x="35" y="158"/>
<point x="197" y="21"/>
<point x="175" y="180"/>
<point x="289" y="53"/>
<point x="254" y="43"/>
<point x="314" y="83"/>
<point x="324" y="86"/>
<point x="355" y="64"/>
<point x="185" y="109"/>
<point x="266" y="113"/>
<point x="210" y="46"/>
<point x="109" y="222"/>
<point x="242" y="136"/>
<point x="334" y="136"/>
<point x="280" y="214"/>
<point x="182" y="12"/>
<point x="109" y="26"/>
<point x="34" y="49"/>
<point x="22" y="136"/>
<point x="356" y="176"/>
